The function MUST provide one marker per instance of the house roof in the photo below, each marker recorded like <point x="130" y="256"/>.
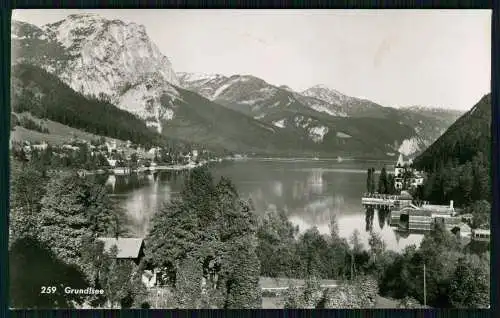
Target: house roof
<point x="402" y="160"/>
<point x="416" y="211"/>
<point x="127" y="247"/>
<point x="438" y="208"/>
<point x="465" y="228"/>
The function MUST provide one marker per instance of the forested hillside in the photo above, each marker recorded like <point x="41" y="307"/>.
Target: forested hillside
<point x="459" y="162"/>
<point x="45" y="96"/>
<point x="467" y="137"/>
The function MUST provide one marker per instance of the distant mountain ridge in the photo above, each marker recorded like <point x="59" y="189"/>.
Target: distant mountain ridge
<point x="116" y="62"/>
<point x="318" y="104"/>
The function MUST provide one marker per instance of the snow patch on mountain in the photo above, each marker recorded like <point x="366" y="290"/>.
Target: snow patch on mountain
<point x="221" y="89"/>
<point x="196" y="77"/>
<point x="342" y="135"/>
<point x="328" y="110"/>
<point x="318" y="133"/>
<point x="298" y="120"/>
<point x="301" y="122"/>
<point x="169" y="114"/>
<point x="279" y="123"/>
<point x="267" y="91"/>
<point x="327" y="94"/>
<point x="248" y="102"/>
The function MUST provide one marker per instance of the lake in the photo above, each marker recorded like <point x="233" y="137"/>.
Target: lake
<point x="309" y="191"/>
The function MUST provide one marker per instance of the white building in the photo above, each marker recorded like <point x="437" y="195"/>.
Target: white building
<point x="417" y="180"/>
<point x="403" y="166"/>
<point x="112" y="162"/>
<point x="41" y="146"/>
<point x="398" y="183"/>
<point x="70" y="147"/>
<point x="154" y="151"/>
<point x="399" y="168"/>
<point x="111" y="146"/>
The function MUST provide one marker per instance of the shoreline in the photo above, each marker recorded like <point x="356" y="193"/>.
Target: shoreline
<point x="126" y="170"/>
<point x="190" y="166"/>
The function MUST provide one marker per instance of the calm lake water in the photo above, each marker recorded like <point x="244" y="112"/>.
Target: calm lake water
<point x="309" y="191"/>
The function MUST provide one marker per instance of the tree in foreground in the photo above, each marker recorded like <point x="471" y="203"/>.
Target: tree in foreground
<point x="33" y="266"/>
<point x="206" y="242"/>
<point x="470" y="283"/>
<point x="309" y="296"/>
<point x="27" y="189"/>
<point x="241" y="276"/>
<point x="293" y="298"/>
<point x="73" y="208"/>
<point x="481" y="212"/>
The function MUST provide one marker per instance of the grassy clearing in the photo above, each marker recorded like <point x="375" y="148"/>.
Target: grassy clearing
<point x="59" y="134"/>
<point x="385" y="303"/>
<point x="272" y="303"/>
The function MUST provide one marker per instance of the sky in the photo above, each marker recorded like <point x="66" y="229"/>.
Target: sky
<point x="437" y="58"/>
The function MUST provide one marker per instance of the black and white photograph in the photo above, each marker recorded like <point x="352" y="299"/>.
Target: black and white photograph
<point x="250" y="159"/>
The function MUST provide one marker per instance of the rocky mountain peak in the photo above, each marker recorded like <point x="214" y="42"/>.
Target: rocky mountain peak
<point x="104" y="58"/>
<point x="326" y="94"/>
<point x="287" y="88"/>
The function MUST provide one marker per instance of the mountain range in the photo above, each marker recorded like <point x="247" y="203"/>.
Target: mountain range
<point x="117" y="63"/>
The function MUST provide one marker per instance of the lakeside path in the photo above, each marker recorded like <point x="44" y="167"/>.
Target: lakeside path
<point x="272" y="284"/>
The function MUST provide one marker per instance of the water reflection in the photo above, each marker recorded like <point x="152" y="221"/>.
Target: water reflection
<point x="320" y="209"/>
<point x="310" y="193"/>
<point x="370" y="213"/>
<point x="111" y="183"/>
<point x="383" y="217"/>
<point x="315" y="182"/>
<point x="278" y="188"/>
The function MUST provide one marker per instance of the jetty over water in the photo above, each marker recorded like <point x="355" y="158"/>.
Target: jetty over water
<point x="377" y="200"/>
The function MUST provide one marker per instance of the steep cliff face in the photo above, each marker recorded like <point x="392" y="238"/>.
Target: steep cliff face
<point x="109" y="59"/>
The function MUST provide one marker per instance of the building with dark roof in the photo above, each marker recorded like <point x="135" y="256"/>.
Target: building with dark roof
<point x="128" y="248"/>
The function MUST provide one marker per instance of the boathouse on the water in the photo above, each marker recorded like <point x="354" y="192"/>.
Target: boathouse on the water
<point x="481" y="235"/>
<point x="422" y="217"/>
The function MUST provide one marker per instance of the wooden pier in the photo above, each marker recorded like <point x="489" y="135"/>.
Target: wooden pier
<point x="375" y="200"/>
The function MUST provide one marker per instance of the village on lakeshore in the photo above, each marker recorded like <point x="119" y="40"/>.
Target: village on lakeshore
<point x="120" y="158"/>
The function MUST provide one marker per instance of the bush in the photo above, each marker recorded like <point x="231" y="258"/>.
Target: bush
<point x="14" y="121"/>
<point x="30" y="124"/>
